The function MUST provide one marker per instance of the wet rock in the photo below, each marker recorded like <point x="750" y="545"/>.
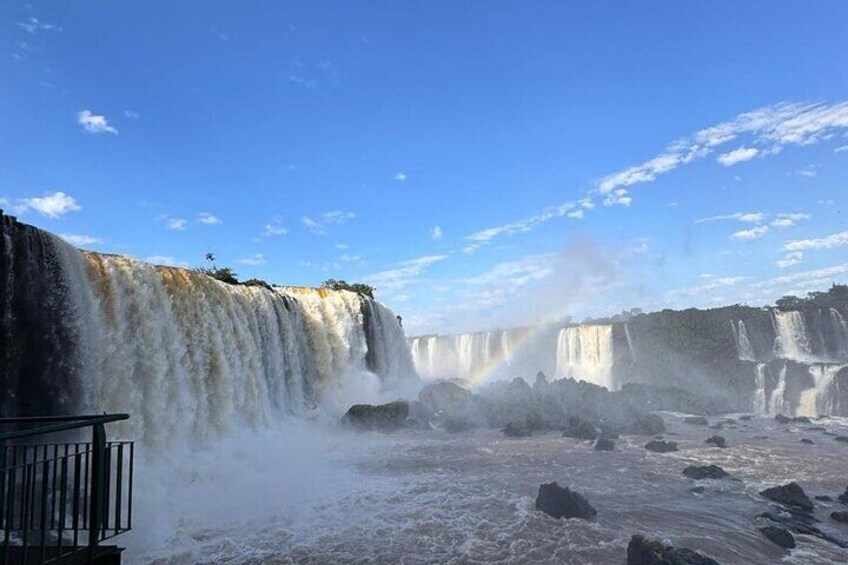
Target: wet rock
<point x="444" y="399"/>
<point x="840" y="517"/>
<point x="823" y="498"/>
<point x="699" y="472"/>
<point x="579" y="428"/>
<point x="383" y="417"/>
<point x="516" y="430"/>
<point x="781" y="419"/>
<point x="642" y="551"/>
<point x="659" y="446"/>
<point x="746" y="417"/>
<point x="790" y="494"/>
<point x="780" y="536"/>
<point x="604" y="444"/>
<point x="805" y="440"/>
<point x="696" y="420"/>
<point x="698" y="489"/>
<point x="648" y="425"/>
<point x="841" y="438"/>
<point x="843" y="498"/>
<point x="457" y="424"/>
<point x="815" y="429"/>
<point x="562" y="502"/>
<point x="717" y="441"/>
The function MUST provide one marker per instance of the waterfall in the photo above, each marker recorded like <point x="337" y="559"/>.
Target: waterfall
<point x="760" y="398"/>
<point x="820" y="398"/>
<point x="183" y="353"/>
<point x="585" y="353"/>
<point x="777" y="399"/>
<point x="743" y="344"/>
<point x="792" y="341"/>
<point x="506" y="347"/>
<point x="630" y="347"/>
<point x="840" y="330"/>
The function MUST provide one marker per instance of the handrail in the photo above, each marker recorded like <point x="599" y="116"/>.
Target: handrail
<point x="67" y="423"/>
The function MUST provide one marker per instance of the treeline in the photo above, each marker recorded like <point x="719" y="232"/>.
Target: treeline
<point x="836" y="296"/>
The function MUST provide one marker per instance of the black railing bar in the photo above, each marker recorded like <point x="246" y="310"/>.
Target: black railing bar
<point x="45" y="479"/>
<point x="57" y="427"/>
<point x="130" y="487"/>
<point x="75" y="503"/>
<point x="119" y="483"/>
<point x="83" y="418"/>
<point x="53" y="488"/>
<point x="63" y="502"/>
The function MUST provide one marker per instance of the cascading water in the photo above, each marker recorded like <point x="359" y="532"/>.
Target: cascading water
<point x="777" y="400"/>
<point x="760" y="397"/>
<point x="586" y="353"/>
<point x="840" y="330"/>
<point x="820" y="398"/>
<point x="743" y="344"/>
<point x="791" y="341"/>
<point x="181" y="352"/>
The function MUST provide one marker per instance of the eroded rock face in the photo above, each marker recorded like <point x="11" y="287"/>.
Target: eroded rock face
<point x="562" y="502"/>
<point x="840" y="516"/>
<point x="790" y="495"/>
<point x="779" y="536"/>
<point x="383" y="417"/>
<point x="642" y="551"/>
<point x="705" y="472"/>
<point x="661" y="446"/>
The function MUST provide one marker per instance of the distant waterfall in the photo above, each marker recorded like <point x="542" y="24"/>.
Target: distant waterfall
<point x="760" y="398"/>
<point x="840" y="330"/>
<point x="585" y="353"/>
<point x="820" y="398"/>
<point x="184" y="354"/>
<point x="792" y="341"/>
<point x="777" y="401"/>
<point x="743" y="344"/>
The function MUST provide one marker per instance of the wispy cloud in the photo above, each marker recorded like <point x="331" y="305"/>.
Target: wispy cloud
<point x="52" y="205"/>
<point x="790" y="259"/>
<point x="34" y="25"/>
<point x="788" y="220"/>
<point x="255" y="259"/>
<point x="482" y="237"/>
<point x="130" y="115"/>
<point x="275" y="228"/>
<point x="436" y="233"/>
<point x="739" y="155"/>
<point x="750" y="217"/>
<point x="827" y="242"/>
<point x="94" y="123"/>
<point x="319" y="225"/>
<point x="751" y="234"/>
<point x="208" y="219"/>
<point x="841" y="149"/>
<point x="173" y="223"/>
<point x="807" y="172"/>
<point x="400" y="177"/>
<point x="404" y="274"/>
<point x="79" y="240"/>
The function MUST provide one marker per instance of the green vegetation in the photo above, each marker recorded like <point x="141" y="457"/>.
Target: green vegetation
<point x="359" y="288"/>
<point x="837" y="295"/>
<point x="223" y="274"/>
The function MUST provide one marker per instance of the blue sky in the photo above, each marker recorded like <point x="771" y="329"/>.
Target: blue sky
<point x="481" y="163"/>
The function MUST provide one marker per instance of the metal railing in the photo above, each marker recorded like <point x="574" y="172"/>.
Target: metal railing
<point x="60" y="499"/>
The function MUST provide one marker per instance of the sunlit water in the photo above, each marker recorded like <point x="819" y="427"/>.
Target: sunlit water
<point x="320" y="495"/>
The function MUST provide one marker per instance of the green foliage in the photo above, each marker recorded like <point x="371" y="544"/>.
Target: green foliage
<point x="257" y="282"/>
<point x="223" y="274"/>
<point x="359" y="288"/>
<point x="838" y="294"/>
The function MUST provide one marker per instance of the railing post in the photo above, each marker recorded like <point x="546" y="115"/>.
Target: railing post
<point x="95" y="515"/>
<point x="3" y="520"/>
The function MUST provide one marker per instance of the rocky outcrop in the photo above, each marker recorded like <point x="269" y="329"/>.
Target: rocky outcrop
<point x="516" y="430"/>
<point x="717" y="441"/>
<point x="578" y="428"/>
<point x="562" y="502"/>
<point x="840" y="516"/>
<point x="779" y="536"/>
<point x="384" y="417"/>
<point x="661" y="446"/>
<point x="642" y="551"/>
<point x="705" y="472"/>
<point x="604" y="444"/>
<point x="696" y="420"/>
<point x="790" y="495"/>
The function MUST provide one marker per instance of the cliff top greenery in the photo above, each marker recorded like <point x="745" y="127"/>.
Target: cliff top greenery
<point x="837" y="295"/>
<point x="359" y="288"/>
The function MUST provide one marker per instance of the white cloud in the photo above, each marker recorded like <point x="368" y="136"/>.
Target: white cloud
<point x="93" y="123"/>
<point x="350" y="258"/>
<point x="400" y="177"/>
<point x="828" y="242"/>
<point x="738" y="156"/>
<point x="618" y="197"/>
<point x="749" y="217"/>
<point x="130" y="115"/>
<point x="841" y="149"/>
<point x="790" y="259"/>
<point x="808" y="172"/>
<point x="318" y="225"/>
<point x="436" y="233"/>
<point x="275" y="228"/>
<point x="340" y="246"/>
<point x="34" y="25"/>
<point x="586" y="203"/>
<point x="753" y="233"/>
<point x="177" y="224"/>
<point x="208" y="219"/>
<point x="51" y="205"/>
<point x="576" y="214"/>
<point x="788" y="220"/>
<point x="166" y="260"/>
<point x="255" y="259"/>
<point x="404" y="274"/>
<point x="512" y="275"/>
<point x="483" y="237"/>
<point x="79" y="240"/>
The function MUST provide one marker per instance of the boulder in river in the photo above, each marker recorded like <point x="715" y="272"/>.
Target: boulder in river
<point x="805" y="440"/>
<point x="778" y="535"/>
<point x="604" y="444"/>
<point x="562" y="502"/>
<point x="841" y="438"/>
<point x="579" y="428"/>
<point x="843" y="498"/>
<point x="705" y="472"/>
<point x="840" y="516"/>
<point x="717" y="441"/>
<point x="790" y="495"/>
<point x="781" y="419"/>
<point x="642" y="551"/>
<point x="696" y="420"/>
<point x="516" y="430"/>
<point x="648" y="425"/>
<point x="746" y="417"/>
<point x="661" y="446"/>
<point x="383" y="417"/>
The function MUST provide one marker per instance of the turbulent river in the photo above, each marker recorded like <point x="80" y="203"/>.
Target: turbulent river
<point x="433" y="497"/>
